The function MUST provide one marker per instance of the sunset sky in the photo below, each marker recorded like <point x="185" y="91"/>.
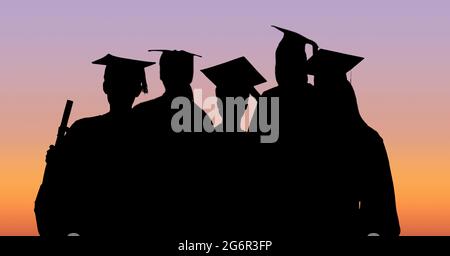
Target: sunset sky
<point x="403" y="85"/>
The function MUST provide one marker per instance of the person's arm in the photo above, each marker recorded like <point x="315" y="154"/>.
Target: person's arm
<point x="47" y="205"/>
<point x="55" y="193"/>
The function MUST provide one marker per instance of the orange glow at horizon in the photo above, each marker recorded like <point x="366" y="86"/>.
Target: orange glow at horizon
<point x="422" y="194"/>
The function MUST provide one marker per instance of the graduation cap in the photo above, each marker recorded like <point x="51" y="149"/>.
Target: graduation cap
<point x="295" y="40"/>
<point x="238" y="73"/>
<point x="330" y="62"/>
<point x="175" y="53"/>
<point x="178" y="58"/>
<point x="109" y="60"/>
<point x="125" y="66"/>
<point x="176" y="64"/>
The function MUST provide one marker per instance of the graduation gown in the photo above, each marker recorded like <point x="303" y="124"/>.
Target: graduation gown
<point x="90" y="188"/>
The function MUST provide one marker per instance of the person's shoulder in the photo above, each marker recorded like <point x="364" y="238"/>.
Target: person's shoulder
<point x="82" y="128"/>
<point x="87" y="123"/>
<point x="372" y="134"/>
<point x="150" y="104"/>
<point x="143" y="105"/>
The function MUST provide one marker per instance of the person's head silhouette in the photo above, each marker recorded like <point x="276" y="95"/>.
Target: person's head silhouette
<point x="124" y="80"/>
<point x="329" y="69"/>
<point x="290" y="56"/>
<point x="235" y="78"/>
<point x="176" y="70"/>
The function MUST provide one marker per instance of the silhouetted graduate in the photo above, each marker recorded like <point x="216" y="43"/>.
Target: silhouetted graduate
<point x="176" y="73"/>
<point x="174" y="159"/>
<point x="90" y="188"/>
<point x="290" y="65"/>
<point x="297" y="96"/>
<point x="357" y="193"/>
<point x="294" y="152"/>
<point x="239" y="176"/>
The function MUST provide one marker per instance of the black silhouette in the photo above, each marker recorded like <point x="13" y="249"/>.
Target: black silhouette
<point x="290" y="67"/>
<point x="44" y="215"/>
<point x="359" y="188"/>
<point x="297" y="144"/>
<point x="132" y="171"/>
<point x="176" y="73"/>
<point x="297" y="96"/>
<point x="240" y="177"/>
<point x="234" y="79"/>
<point x="174" y="160"/>
<point x="86" y="190"/>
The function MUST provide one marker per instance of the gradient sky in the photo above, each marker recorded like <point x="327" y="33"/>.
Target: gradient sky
<point x="403" y="85"/>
